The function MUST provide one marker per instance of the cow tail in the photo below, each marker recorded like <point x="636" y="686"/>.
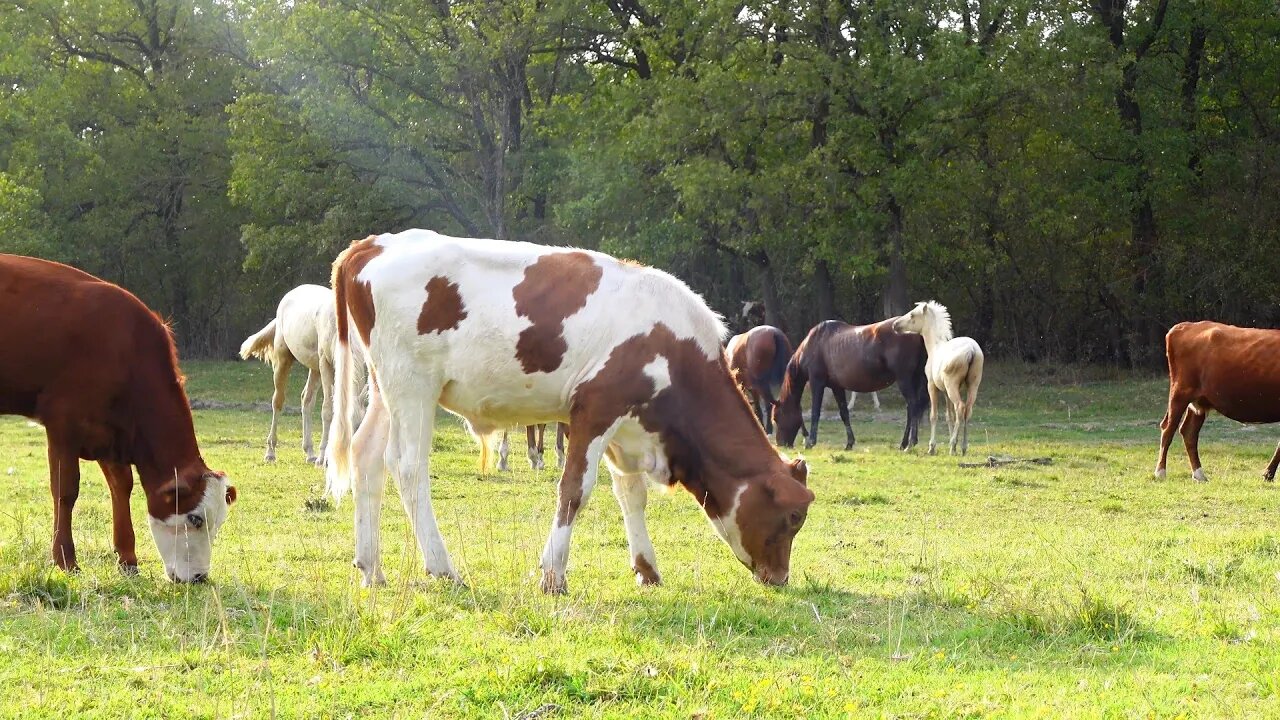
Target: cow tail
<point x="338" y="474"/>
<point x="259" y="344"/>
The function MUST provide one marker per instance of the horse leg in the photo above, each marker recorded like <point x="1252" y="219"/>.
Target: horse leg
<point x="308" y="404"/>
<point x="1191" y="438"/>
<point x="843" y="406"/>
<point x="1270" y="474"/>
<point x="533" y="441"/>
<point x="64" y="486"/>
<point x="326" y="408"/>
<point x="280" y="378"/>
<point x="975" y="380"/>
<point x="120" y="480"/>
<point x="818" y="385"/>
<point x="1168" y="426"/>
<point x="875" y="399"/>
<point x="373" y="449"/>
<point x="576" y="483"/>
<point x="933" y="418"/>
<point x="633" y="495"/>
<point x="955" y="403"/>
<point x="504" y="450"/>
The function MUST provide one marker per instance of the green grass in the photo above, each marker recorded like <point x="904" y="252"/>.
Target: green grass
<point x="920" y="589"/>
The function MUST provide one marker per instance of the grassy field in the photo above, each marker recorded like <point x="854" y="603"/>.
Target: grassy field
<point x="919" y="589"/>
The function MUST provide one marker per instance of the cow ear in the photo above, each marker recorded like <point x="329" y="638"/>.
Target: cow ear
<point x="173" y="494"/>
<point x="231" y="494"/>
<point x="799" y="471"/>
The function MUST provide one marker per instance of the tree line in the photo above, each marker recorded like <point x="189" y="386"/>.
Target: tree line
<point x="1069" y="177"/>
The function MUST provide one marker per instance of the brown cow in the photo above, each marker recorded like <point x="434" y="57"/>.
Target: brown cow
<point x="91" y="363"/>
<point x="758" y="360"/>
<point x="1230" y="369"/>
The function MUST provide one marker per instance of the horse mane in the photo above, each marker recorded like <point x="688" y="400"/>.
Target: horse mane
<point x="939" y="320"/>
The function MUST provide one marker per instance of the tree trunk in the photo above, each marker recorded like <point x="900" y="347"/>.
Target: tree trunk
<point x="769" y="290"/>
<point x="825" y="291"/>
<point x="896" y="292"/>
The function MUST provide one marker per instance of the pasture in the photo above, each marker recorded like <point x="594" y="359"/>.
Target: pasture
<point x="919" y="589"/>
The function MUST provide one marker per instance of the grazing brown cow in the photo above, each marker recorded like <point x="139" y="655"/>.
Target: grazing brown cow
<point x="758" y="360"/>
<point x="1212" y="366"/>
<point x="91" y="363"/>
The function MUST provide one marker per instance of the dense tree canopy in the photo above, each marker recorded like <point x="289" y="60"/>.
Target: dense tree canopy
<point x="1069" y="177"/>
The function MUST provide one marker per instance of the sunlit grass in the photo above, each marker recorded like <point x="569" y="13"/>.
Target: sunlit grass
<point x="1081" y="588"/>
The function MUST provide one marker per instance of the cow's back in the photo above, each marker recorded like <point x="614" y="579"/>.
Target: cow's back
<point x="64" y="332"/>
<point x="512" y="328"/>
<point x="1233" y="370"/>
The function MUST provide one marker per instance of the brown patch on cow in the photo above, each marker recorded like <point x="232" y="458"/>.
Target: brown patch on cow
<point x="351" y="295"/>
<point x="553" y="289"/>
<point x="443" y="308"/>
<point x="648" y="575"/>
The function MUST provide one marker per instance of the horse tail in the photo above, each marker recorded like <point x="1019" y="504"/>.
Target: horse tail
<point x="973" y="377"/>
<point x="259" y="344"/>
<point x="338" y="478"/>
<point x="781" y="358"/>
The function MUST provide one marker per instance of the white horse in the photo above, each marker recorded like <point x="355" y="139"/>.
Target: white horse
<point x="875" y="398"/>
<point x="304" y="330"/>
<point x="954" y="367"/>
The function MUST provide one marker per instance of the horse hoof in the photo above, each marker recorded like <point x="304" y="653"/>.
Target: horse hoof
<point x="933" y="449"/>
<point x="269" y="457"/>
<point x="1160" y="473"/>
<point x="553" y="583"/>
<point x="1269" y="476"/>
<point x="1199" y="476"/>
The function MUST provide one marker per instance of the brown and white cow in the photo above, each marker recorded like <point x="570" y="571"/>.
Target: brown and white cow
<point x="507" y="333"/>
<point x="1212" y="366"/>
<point x="91" y="363"/>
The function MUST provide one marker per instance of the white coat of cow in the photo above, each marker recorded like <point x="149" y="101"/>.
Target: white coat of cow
<point x="511" y="333"/>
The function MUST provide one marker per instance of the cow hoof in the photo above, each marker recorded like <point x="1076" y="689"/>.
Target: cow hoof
<point x="553" y="583"/>
<point x="1199" y="476"/>
<point x="128" y="569"/>
<point x="373" y="578"/>
<point x="1160" y="473"/>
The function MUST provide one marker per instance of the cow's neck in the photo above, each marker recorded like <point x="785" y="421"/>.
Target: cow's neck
<point x="164" y="444"/>
<point x="715" y="444"/>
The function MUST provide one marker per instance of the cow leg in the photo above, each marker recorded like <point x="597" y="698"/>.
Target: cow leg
<point x="308" y="404"/>
<point x="818" y="386"/>
<point x="280" y="376"/>
<point x="504" y="451"/>
<point x="326" y="408"/>
<point x="414" y="428"/>
<point x="576" y="484"/>
<point x="120" y="481"/>
<point x="372" y="449"/>
<point x="633" y="494"/>
<point x="1168" y="426"/>
<point x="843" y="406"/>
<point x="64" y="485"/>
<point x="1270" y="473"/>
<point x="933" y="418"/>
<point x="562" y="430"/>
<point x="1191" y="438"/>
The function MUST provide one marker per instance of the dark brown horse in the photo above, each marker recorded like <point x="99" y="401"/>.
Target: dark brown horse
<point x="758" y="359"/>
<point x="865" y="358"/>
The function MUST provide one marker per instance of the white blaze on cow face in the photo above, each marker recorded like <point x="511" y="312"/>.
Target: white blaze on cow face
<point x="185" y="540"/>
<point x="727" y="526"/>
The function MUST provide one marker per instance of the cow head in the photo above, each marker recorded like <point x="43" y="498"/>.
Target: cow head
<point x="763" y="520"/>
<point x="186" y="514"/>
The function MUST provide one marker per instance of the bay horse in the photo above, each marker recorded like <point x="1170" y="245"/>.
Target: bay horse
<point x="844" y="357"/>
<point x="501" y="333"/>
<point x="98" y="369"/>
<point x="1219" y="367"/>
<point x="758" y="360"/>
<point x="954" y="369"/>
